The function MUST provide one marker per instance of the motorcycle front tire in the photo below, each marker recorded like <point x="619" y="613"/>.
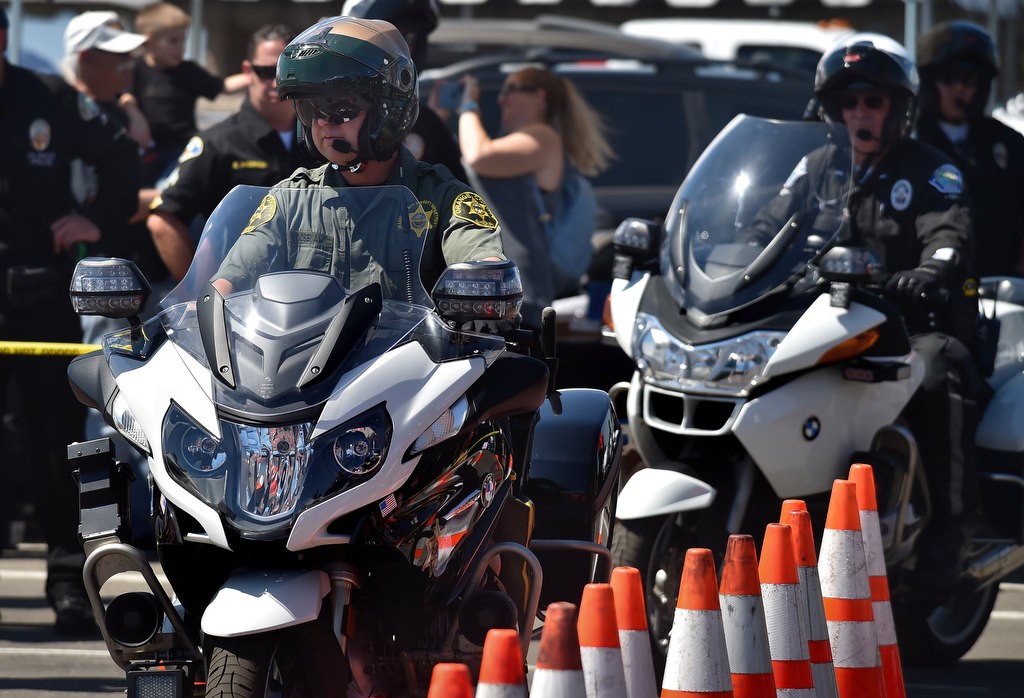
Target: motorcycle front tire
<point x="930" y="636"/>
<point x="655" y="547"/>
<point x="300" y="662"/>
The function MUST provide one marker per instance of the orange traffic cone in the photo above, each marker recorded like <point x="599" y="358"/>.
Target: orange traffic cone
<point x="631" y="616"/>
<point x="791" y="505"/>
<point x="450" y="680"/>
<point x="746" y="634"/>
<point x="698" y="661"/>
<point x="783" y="610"/>
<point x="867" y="502"/>
<point x="559" y="669"/>
<point x="603" y="672"/>
<point x="501" y="669"/>
<point x="810" y="596"/>
<point x="845" y="590"/>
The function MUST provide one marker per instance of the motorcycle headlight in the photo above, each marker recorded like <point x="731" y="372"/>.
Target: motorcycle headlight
<point x="260" y="474"/>
<point x="730" y="366"/>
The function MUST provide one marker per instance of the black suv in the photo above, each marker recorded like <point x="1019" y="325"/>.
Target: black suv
<point x="663" y="102"/>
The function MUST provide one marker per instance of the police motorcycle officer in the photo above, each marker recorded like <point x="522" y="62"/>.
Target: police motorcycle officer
<point x="958" y="63"/>
<point x="907" y="203"/>
<point x="353" y="84"/>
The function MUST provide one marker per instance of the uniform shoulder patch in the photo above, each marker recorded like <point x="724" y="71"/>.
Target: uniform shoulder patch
<point x="470" y="207"/>
<point x="264" y="213"/>
<point x="193" y="149"/>
<point x="947" y="179"/>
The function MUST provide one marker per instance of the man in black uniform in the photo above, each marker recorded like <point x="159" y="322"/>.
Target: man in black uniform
<point x="958" y="62"/>
<point x="44" y="125"/>
<point x="429" y="140"/>
<point x="255" y="146"/>
<point x="905" y="201"/>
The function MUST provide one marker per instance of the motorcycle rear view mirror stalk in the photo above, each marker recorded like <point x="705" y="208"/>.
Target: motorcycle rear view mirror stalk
<point x="845" y="266"/>
<point x="110" y="287"/>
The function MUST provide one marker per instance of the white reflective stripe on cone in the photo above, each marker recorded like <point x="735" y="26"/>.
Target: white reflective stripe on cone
<point x="558" y="683"/>
<point x="837" y="580"/>
<point x="746" y="634"/>
<point x="781" y="606"/>
<point x="637" y="663"/>
<point x="697" y="656"/>
<point x="854" y="644"/>
<point x="603" y="673"/>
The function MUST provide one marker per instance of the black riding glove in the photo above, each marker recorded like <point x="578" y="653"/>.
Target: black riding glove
<point x="914" y="283"/>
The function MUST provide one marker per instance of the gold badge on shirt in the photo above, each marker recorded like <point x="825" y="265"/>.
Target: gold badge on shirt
<point x="264" y="213"/>
<point x="470" y="207"/>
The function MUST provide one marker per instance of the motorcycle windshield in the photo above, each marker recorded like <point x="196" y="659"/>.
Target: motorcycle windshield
<point x="283" y="250"/>
<point x="762" y="201"/>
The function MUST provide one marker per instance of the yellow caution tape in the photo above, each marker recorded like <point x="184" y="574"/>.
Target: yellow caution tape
<point x="47" y="348"/>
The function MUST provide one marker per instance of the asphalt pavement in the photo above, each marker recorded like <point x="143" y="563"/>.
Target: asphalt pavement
<point x="37" y="663"/>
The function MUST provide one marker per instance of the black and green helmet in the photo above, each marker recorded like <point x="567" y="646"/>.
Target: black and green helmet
<point x="363" y="62"/>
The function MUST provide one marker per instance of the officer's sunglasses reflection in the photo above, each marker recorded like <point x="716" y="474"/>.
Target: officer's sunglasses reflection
<point x="872" y="100"/>
<point x="264" y="72"/>
<point x="333" y="111"/>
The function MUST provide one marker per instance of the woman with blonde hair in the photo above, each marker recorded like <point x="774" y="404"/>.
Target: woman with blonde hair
<point x="548" y="132"/>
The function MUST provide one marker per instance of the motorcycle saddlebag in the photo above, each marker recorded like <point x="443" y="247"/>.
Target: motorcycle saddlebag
<point x="573" y="475"/>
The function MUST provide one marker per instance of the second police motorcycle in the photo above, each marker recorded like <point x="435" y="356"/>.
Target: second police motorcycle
<point x="348" y="485"/>
<point x="766" y="365"/>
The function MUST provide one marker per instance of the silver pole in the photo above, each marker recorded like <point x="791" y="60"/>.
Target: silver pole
<point x="910" y="26"/>
<point x="14" y="32"/>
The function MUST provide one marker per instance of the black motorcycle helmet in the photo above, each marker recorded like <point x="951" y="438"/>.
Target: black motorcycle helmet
<point x="416" y="19"/>
<point x="956" y="46"/>
<point x="364" y="63"/>
<point x="866" y="61"/>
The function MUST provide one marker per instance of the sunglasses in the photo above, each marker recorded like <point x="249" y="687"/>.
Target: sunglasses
<point x="872" y="101"/>
<point x="967" y="78"/>
<point x="512" y="87"/>
<point x="331" y="109"/>
<point x="264" y="72"/>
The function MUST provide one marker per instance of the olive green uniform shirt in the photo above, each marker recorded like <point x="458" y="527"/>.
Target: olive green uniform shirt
<point x="459" y="228"/>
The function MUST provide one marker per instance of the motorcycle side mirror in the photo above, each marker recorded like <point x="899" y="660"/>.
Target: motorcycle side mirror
<point x="479" y="291"/>
<point x="108" y="287"/>
<point x="635" y="240"/>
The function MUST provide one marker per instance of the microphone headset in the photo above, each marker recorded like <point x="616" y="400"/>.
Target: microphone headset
<point x="343" y="146"/>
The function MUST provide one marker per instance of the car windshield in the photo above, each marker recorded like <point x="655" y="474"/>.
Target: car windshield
<point x="761" y="203"/>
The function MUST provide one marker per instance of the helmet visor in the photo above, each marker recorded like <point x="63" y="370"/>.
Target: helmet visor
<point x="335" y="110"/>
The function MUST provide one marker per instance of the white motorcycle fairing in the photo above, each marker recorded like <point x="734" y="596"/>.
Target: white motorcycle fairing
<point x="416" y="391"/>
<point x="263" y="600"/>
<point x="626" y="297"/>
<point x="656" y="492"/>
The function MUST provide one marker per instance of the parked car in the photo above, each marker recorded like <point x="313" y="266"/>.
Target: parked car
<point x="772" y="42"/>
<point x="664" y="103"/>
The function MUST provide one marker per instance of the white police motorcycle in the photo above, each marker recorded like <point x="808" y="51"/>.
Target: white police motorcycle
<point x="349" y="485"/>
<point x="767" y="362"/>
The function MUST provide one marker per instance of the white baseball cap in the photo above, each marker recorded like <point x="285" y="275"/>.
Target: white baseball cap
<point x="99" y="30"/>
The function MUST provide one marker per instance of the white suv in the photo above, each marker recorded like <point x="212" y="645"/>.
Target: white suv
<point x="797" y="45"/>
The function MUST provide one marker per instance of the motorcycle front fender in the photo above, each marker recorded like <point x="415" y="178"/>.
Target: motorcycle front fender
<point x="259" y="601"/>
<point x="656" y="492"/>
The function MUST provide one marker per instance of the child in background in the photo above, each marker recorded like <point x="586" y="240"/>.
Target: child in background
<point x="166" y="87"/>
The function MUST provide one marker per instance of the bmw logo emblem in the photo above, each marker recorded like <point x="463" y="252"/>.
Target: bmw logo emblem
<point x="811" y="429"/>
